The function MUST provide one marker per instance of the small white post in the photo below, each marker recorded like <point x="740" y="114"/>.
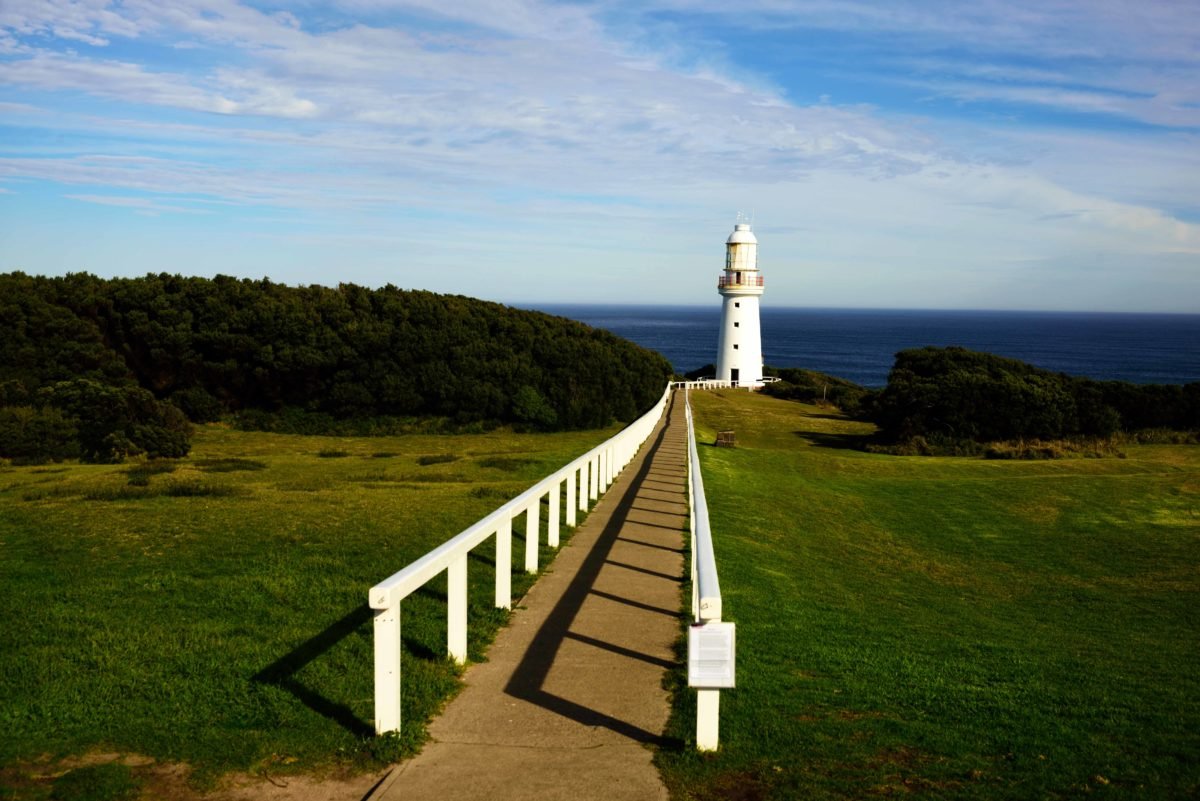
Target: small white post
<point x="609" y="472"/>
<point x="504" y="565"/>
<point x="583" y="490"/>
<point x="531" y="535"/>
<point x="708" y="706"/>
<point x="456" y="609"/>
<point x="593" y="477"/>
<point x="552" y="519"/>
<point x="571" y="482"/>
<point x="387" y="670"/>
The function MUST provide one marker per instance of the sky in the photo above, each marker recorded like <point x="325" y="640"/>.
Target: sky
<point x="1024" y="154"/>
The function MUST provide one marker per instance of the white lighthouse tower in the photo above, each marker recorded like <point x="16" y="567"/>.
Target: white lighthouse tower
<point x="739" y="345"/>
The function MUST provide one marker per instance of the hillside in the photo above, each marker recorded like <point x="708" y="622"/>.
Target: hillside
<point x="299" y="358"/>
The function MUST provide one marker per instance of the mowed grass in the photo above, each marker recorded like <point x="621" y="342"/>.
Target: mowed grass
<point x="213" y="610"/>
<point x="945" y="627"/>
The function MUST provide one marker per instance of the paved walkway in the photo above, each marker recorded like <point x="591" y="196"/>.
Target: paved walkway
<point x="571" y="695"/>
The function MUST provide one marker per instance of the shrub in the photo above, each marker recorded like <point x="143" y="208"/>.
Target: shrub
<point x="30" y="435"/>
<point x="114" y="422"/>
<point x="198" y="405"/>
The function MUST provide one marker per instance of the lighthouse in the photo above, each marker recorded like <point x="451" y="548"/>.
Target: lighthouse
<point x="739" y="344"/>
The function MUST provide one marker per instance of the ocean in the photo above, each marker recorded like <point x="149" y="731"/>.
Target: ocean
<point x="859" y="344"/>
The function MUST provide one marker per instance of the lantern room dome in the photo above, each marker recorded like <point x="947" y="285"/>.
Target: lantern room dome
<point x="741" y="235"/>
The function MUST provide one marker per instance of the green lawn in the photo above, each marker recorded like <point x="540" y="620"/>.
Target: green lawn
<point x="946" y="628"/>
<point x="214" y="611"/>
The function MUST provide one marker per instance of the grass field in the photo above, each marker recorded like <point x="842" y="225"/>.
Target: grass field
<point x="946" y="628"/>
<point x="213" y="611"/>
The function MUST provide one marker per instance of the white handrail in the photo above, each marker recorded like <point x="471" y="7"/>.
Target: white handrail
<point x="706" y="588"/>
<point x="586" y="478"/>
<point x="706" y="593"/>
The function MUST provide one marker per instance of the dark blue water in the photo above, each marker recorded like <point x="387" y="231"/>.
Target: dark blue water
<point x="859" y="344"/>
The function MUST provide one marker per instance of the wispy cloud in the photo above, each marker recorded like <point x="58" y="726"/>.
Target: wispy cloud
<point x="609" y="120"/>
<point x="141" y="204"/>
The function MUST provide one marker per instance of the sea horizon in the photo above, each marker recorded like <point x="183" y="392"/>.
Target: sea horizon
<point x="859" y="344"/>
<point x="899" y="309"/>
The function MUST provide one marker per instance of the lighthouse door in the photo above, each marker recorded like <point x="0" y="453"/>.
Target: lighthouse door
<point x="733" y="376"/>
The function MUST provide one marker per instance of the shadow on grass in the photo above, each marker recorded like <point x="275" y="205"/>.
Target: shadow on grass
<point x="282" y="672"/>
<point x="846" y="442"/>
<point x="827" y="416"/>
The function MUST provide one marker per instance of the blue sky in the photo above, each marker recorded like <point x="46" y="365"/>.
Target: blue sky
<point x="1040" y="154"/>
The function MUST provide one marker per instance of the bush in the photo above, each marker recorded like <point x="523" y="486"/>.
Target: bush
<point x="30" y="435"/>
<point x="114" y="422"/>
<point x="531" y="408"/>
<point x="198" y="405"/>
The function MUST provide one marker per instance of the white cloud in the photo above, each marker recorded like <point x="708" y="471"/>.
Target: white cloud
<point x="141" y="204"/>
<point x="234" y="92"/>
<point x="538" y="125"/>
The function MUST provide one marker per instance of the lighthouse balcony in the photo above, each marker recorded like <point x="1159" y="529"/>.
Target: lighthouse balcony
<point x="738" y="281"/>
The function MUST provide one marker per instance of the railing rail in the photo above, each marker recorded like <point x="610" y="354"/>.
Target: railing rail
<point x="706" y="587"/>
<point x="585" y="479"/>
<point x="733" y="281"/>
<point x="711" y="660"/>
<point x="712" y="383"/>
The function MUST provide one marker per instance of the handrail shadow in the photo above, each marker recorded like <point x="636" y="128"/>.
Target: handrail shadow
<point x="282" y="672"/>
<point x="527" y="680"/>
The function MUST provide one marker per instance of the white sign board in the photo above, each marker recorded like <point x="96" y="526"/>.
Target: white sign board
<point x="710" y="655"/>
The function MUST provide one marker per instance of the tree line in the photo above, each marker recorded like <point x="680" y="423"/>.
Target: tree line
<point x="954" y="399"/>
<point x="956" y="394"/>
<point x="111" y="367"/>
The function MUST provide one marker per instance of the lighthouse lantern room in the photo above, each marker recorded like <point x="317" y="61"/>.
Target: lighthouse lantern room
<point x="739" y="344"/>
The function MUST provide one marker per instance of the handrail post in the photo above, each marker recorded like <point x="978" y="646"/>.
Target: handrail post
<point x="531" y="535"/>
<point x="387" y="669"/>
<point x="708" y="719"/>
<point x="456" y="609"/>
<point x="583" y="490"/>
<point x="572" y="483"/>
<point x="552" y="515"/>
<point x="594" y="477"/>
<point x="504" y="565"/>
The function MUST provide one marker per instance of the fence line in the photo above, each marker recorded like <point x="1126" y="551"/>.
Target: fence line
<point x="710" y="640"/>
<point x="712" y="383"/>
<point x="586" y="478"/>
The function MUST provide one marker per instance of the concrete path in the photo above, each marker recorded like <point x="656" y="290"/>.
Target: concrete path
<point x="571" y="696"/>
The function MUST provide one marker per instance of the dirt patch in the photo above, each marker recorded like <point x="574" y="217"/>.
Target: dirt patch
<point x="737" y="786"/>
<point x="901" y="767"/>
<point x="169" y="781"/>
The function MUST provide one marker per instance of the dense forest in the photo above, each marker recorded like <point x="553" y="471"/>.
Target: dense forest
<point x="952" y="395"/>
<point x="103" y="368"/>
